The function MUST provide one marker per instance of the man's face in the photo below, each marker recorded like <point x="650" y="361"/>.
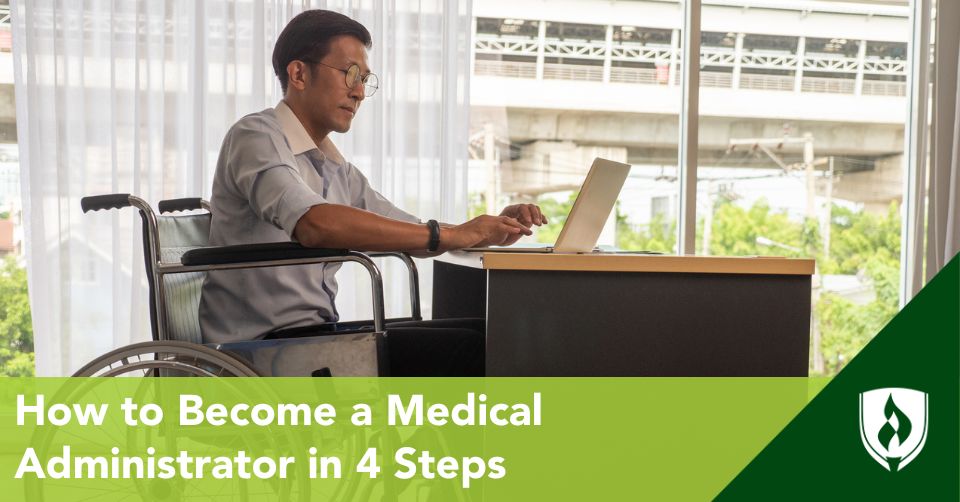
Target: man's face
<point x="331" y="105"/>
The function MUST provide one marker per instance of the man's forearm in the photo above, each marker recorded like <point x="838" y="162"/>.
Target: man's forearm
<point x="344" y="227"/>
<point x="423" y="253"/>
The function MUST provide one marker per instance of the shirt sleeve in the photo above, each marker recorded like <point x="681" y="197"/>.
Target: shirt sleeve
<point x="365" y="197"/>
<point x="263" y="171"/>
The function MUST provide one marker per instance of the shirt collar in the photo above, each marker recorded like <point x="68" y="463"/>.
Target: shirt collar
<point x="293" y="129"/>
<point x="300" y="141"/>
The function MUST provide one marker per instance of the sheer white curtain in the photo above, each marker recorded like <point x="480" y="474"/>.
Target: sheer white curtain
<point x="943" y="195"/>
<point x="134" y="96"/>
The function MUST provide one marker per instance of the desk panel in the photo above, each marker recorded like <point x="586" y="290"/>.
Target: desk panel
<point x="629" y="315"/>
<point x="560" y="323"/>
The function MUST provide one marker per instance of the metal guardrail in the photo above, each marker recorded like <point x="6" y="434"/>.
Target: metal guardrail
<point x="716" y="79"/>
<point x="757" y="82"/>
<point x="881" y="88"/>
<point x="555" y="71"/>
<point x="504" y="69"/>
<point x="655" y="76"/>
<point x="711" y="56"/>
<point x="828" y="85"/>
<point x="635" y="76"/>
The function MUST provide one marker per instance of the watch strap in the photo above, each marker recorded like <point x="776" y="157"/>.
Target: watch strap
<point x="434" y="243"/>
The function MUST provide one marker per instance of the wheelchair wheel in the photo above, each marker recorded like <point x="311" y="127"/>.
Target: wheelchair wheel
<point x="167" y="358"/>
<point x="163" y="359"/>
<point x="170" y="438"/>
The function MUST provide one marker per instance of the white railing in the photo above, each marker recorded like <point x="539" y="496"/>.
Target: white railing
<point x="884" y="66"/>
<point x="558" y="71"/>
<point x="882" y="88"/>
<point x="639" y="53"/>
<point x="598" y="50"/>
<point x="824" y="62"/>
<point x="570" y="49"/>
<point x="623" y="75"/>
<point x="710" y="56"/>
<point x="654" y="76"/>
<point x="505" y="45"/>
<point x="511" y="69"/>
<point x="716" y="79"/>
<point x="767" y="82"/>
<point x="768" y="61"/>
<point x="828" y="85"/>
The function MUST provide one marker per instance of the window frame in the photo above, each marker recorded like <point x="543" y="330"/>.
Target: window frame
<point x="916" y="141"/>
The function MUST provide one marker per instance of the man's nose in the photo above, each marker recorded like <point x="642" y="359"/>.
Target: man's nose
<point x="356" y="92"/>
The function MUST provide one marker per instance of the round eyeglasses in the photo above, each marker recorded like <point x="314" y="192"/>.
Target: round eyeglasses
<point x="352" y="76"/>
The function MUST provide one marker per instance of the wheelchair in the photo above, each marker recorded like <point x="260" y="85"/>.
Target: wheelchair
<point x="177" y="257"/>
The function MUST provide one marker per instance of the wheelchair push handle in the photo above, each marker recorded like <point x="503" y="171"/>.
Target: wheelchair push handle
<point x="184" y="204"/>
<point x="109" y="201"/>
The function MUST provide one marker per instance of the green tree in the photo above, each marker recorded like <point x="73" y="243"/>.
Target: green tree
<point x="658" y="235"/>
<point x="868" y="245"/>
<point x="16" y="327"/>
<point x="556" y="213"/>
<point x="862" y="243"/>
<point x="476" y="205"/>
<point x="736" y="230"/>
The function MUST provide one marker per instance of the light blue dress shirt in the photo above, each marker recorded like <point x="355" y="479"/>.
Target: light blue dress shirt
<point x="270" y="172"/>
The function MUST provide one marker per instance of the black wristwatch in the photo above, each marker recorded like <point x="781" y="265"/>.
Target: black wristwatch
<point x="434" y="243"/>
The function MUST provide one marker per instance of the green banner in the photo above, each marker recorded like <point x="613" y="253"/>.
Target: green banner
<point x="888" y="426"/>
<point x="363" y="439"/>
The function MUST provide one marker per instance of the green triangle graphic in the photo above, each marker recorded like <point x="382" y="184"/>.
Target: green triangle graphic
<point x="820" y="455"/>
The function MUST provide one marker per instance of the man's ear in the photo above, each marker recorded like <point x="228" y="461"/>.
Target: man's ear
<point x="298" y="74"/>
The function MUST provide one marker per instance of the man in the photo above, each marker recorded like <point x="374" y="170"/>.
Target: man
<point x="280" y="178"/>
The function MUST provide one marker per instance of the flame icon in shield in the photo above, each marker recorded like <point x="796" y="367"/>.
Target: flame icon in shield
<point x="893" y="425"/>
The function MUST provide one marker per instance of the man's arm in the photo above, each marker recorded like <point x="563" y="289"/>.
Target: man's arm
<point x="344" y="227"/>
<point x="423" y="253"/>
<point x="364" y="197"/>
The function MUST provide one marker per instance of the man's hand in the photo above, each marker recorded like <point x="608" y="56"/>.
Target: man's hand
<point x="526" y="214"/>
<point x="483" y="231"/>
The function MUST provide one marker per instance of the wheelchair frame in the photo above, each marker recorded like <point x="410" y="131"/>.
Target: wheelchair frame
<point x="164" y="352"/>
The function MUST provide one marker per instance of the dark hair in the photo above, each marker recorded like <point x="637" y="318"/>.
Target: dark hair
<point x="307" y="36"/>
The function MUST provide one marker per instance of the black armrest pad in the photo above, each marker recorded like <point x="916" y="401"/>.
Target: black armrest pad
<point x="173" y="205"/>
<point x="220" y="255"/>
<point x="109" y="201"/>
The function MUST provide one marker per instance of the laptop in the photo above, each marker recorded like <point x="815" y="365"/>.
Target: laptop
<point x="590" y="211"/>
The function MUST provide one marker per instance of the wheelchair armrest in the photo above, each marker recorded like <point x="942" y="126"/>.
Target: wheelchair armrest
<point x="185" y="204"/>
<point x="109" y="201"/>
<point x="413" y="278"/>
<point x="277" y="254"/>
<point x="250" y="253"/>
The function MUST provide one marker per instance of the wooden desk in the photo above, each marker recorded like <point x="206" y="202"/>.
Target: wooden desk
<point x="634" y="315"/>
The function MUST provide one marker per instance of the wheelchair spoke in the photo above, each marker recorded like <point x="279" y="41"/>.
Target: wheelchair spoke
<point x="148" y="358"/>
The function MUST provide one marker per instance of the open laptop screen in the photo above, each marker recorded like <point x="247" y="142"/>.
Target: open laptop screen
<point x="597" y="197"/>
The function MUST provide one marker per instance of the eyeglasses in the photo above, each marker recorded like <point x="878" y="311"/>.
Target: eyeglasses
<point x="352" y="76"/>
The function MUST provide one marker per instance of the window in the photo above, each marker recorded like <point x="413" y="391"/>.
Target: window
<point x="802" y="156"/>
<point x="540" y="114"/>
<point x="801" y="135"/>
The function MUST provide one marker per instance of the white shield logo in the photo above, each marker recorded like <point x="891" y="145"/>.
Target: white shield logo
<point x="893" y="425"/>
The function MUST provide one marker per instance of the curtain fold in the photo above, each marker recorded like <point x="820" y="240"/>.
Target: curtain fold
<point x="943" y="195"/>
<point x="952" y="240"/>
<point x="135" y="96"/>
